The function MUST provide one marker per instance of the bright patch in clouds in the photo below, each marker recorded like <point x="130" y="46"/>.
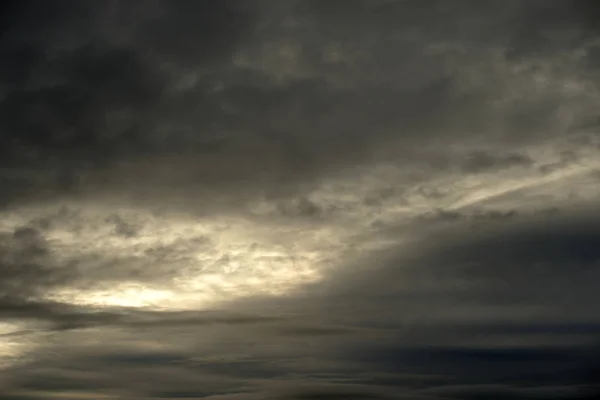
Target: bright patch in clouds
<point x="172" y="262"/>
<point x="128" y="257"/>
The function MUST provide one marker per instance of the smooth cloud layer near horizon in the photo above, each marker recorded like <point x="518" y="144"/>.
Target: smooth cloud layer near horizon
<point x="222" y="199"/>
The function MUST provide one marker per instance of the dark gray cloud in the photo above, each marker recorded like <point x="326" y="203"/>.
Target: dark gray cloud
<point x="480" y="162"/>
<point x="119" y="90"/>
<point x="81" y="81"/>
<point x="27" y="269"/>
<point x="198" y="32"/>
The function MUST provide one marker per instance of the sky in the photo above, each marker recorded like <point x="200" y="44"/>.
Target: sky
<point x="299" y="199"/>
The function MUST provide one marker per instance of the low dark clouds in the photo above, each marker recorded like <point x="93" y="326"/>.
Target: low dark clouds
<point x="87" y="86"/>
<point x="197" y="32"/>
<point x="532" y="260"/>
<point x="242" y="200"/>
<point x="521" y="278"/>
<point x="25" y="260"/>
<point x="481" y="161"/>
<point x="75" y="97"/>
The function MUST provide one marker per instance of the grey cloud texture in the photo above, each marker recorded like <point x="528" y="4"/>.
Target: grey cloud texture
<point x="222" y="199"/>
<point x="125" y="89"/>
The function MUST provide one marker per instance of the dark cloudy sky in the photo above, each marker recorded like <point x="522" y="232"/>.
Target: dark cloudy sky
<point x="299" y="199"/>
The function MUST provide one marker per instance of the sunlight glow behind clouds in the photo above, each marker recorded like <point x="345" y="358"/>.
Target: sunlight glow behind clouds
<point x="128" y="257"/>
<point x="12" y="347"/>
<point x="171" y="263"/>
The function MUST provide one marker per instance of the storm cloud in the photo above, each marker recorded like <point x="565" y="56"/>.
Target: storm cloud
<point x="297" y="199"/>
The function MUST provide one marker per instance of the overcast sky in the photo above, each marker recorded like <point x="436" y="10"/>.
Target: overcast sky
<point x="299" y="199"/>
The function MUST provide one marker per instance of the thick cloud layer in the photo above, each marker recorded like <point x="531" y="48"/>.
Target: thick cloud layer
<point x="376" y="199"/>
